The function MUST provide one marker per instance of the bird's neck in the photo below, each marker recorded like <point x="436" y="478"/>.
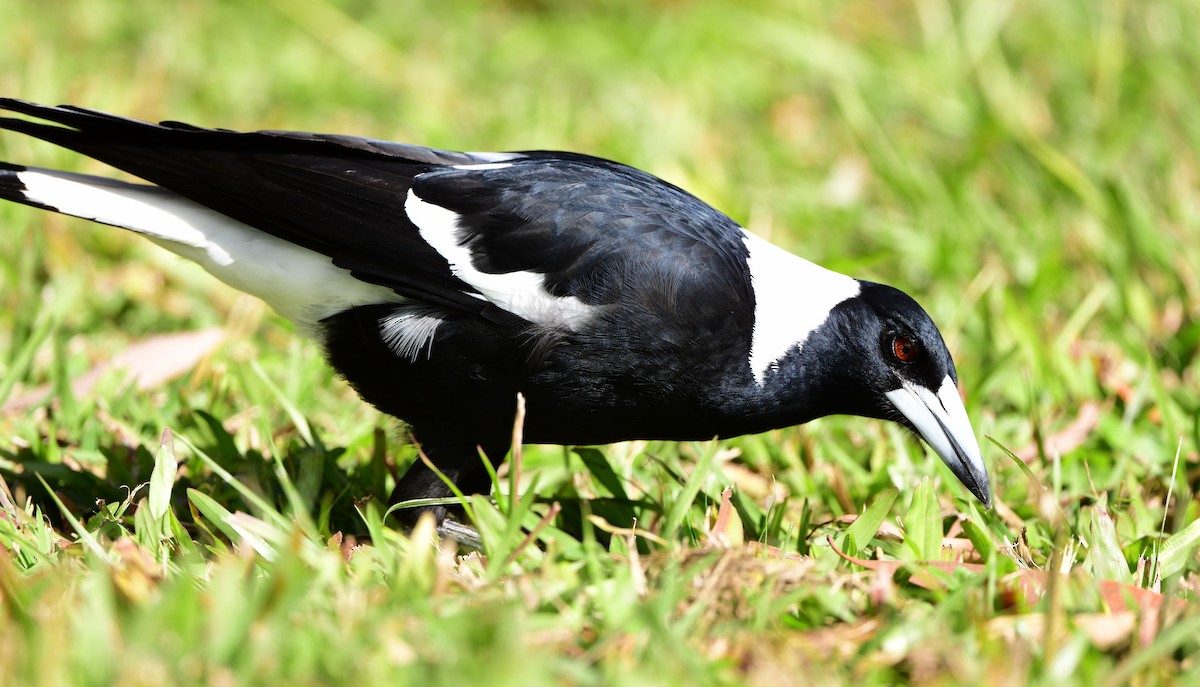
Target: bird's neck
<point x="749" y="406"/>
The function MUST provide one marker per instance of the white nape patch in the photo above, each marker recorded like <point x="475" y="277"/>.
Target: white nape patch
<point x="409" y="330"/>
<point x="520" y="293"/>
<point x="792" y="297"/>
<point x="302" y="285"/>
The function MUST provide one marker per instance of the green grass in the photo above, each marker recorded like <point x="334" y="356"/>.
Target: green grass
<point x="1028" y="171"/>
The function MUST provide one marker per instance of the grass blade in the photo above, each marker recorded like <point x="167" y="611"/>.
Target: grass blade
<point x="682" y="503"/>
<point x="1177" y="550"/>
<point x="162" y="479"/>
<point x="923" y="525"/>
<point x="862" y="530"/>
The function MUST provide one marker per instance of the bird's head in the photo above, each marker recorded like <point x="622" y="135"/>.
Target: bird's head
<point x="891" y="363"/>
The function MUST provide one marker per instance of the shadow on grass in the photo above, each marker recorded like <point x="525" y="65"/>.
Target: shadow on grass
<point x="97" y="490"/>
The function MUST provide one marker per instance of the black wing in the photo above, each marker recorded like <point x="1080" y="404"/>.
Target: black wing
<point x="599" y="231"/>
<point x="596" y="230"/>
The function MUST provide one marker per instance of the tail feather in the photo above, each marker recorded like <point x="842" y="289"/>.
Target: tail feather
<point x="300" y="284"/>
<point x="12" y="188"/>
<point x="149" y="210"/>
<point x="340" y="196"/>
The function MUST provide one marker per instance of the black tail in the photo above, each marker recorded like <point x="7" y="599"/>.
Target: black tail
<point x="12" y="188"/>
<point x="341" y="196"/>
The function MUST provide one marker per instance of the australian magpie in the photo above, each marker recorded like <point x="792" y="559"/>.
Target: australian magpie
<point x="441" y="284"/>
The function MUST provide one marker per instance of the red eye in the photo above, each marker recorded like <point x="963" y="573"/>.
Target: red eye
<point x="905" y="349"/>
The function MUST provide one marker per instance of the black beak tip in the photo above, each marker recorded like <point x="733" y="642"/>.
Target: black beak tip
<point x="981" y="489"/>
<point x="986" y="498"/>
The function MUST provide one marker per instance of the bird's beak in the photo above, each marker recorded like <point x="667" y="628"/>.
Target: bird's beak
<point x="942" y="421"/>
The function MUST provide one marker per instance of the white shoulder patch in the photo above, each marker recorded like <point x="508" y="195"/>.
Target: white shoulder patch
<point x="494" y="157"/>
<point x="792" y="297"/>
<point x="523" y="294"/>
<point x="409" y="331"/>
<point x="484" y="165"/>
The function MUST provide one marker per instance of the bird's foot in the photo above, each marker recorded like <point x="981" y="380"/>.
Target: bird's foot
<point x="462" y="534"/>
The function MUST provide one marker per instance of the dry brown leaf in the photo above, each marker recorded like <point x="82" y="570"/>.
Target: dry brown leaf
<point x="727" y="531"/>
<point x="1032" y="584"/>
<point x="1104" y="630"/>
<point x="149" y="364"/>
<point x="775" y="658"/>
<point x="136" y="575"/>
<point x="883" y="588"/>
<point x="768" y="551"/>
<point x="962" y="548"/>
<point x="1068" y="438"/>
<point x="887" y="530"/>
<point x="757" y="486"/>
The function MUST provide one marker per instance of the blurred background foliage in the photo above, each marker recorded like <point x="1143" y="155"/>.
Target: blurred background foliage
<point x="1027" y="170"/>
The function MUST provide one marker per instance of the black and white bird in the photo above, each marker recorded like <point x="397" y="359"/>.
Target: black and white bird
<point x="442" y="284"/>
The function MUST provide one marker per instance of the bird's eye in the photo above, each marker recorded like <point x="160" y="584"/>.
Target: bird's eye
<point x="905" y="349"/>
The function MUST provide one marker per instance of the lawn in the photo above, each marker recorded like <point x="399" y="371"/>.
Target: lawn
<point x="188" y="495"/>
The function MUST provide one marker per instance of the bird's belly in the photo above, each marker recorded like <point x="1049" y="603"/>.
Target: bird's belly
<point x="564" y="424"/>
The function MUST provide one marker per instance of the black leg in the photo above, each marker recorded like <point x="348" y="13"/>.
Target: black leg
<point x="458" y="460"/>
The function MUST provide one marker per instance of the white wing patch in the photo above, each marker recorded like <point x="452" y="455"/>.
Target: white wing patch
<point x="494" y="157"/>
<point x="409" y="331"/>
<point x="302" y="285"/>
<point x="792" y="297"/>
<point x="484" y="165"/>
<point x="520" y="293"/>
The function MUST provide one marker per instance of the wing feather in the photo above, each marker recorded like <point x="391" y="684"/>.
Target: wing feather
<point x="542" y="235"/>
